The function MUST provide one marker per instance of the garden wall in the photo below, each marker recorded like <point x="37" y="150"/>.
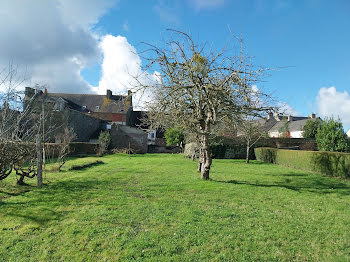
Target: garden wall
<point x="329" y="163"/>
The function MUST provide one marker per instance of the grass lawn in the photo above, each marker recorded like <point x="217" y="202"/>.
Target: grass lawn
<point x="156" y="208"/>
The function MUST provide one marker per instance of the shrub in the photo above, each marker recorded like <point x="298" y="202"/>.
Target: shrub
<point x="104" y="140"/>
<point x="175" y="136"/>
<point x="311" y="127"/>
<point x="329" y="163"/>
<point x="267" y="155"/>
<point x="331" y="137"/>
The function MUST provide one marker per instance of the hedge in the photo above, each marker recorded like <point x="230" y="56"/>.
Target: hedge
<point x="76" y="148"/>
<point x="329" y="163"/>
<point x="235" y="148"/>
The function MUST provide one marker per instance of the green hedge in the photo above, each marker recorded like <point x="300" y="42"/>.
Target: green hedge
<point x="329" y="163"/>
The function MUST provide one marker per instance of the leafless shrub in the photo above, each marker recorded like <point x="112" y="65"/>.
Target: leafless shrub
<point x="64" y="139"/>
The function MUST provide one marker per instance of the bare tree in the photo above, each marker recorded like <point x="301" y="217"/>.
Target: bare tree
<point x="19" y="127"/>
<point x="64" y="139"/>
<point x="199" y="87"/>
<point x="252" y="131"/>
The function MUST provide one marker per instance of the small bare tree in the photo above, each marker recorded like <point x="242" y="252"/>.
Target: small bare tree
<point x="64" y="139"/>
<point x="19" y="127"/>
<point x="198" y="87"/>
<point x="252" y="131"/>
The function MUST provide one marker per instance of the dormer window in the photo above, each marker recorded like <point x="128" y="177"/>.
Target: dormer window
<point x="83" y="107"/>
<point x="97" y="108"/>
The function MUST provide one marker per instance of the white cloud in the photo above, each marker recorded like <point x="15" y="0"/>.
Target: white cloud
<point x="286" y="109"/>
<point x="84" y="13"/>
<point x="121" y="70"/>
<point x="52" y="39"/>
<point x="255" y="88"/>
<point x="330" y="103"/>
<point x="55" y="40"/>
<point x="206" y="4"/>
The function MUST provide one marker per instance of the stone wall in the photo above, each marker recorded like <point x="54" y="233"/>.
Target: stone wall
<point x="84" y="126"/>
<point x="125" y="137"/>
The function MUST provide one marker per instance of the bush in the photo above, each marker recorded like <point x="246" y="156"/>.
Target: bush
<point x="311" y="127"/>
<point x="266" y="154"/>
<point x="104" y="140"/>
<point x="331" y="137"/>
<point x="328" y="163"/>
<point x="175" y="136"/>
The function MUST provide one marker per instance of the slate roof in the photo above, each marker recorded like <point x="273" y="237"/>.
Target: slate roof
<point x="266" y="125"/>
<point x="116" y="104"/>
<point x="295" y="125"/>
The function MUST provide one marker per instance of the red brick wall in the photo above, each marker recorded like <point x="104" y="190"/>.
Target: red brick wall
<point x="112" y="117"/>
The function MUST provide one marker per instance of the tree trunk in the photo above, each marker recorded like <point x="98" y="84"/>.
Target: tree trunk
<point x="247" y="153"/>
<point x="20" y="181"/>
<point x="199" y="169"/>
<point x="39" y="161"/>
<point x="205" y="171"/>
<point x="201" y="158"/>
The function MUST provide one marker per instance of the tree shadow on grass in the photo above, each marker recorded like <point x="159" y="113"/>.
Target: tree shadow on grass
<point x="86" y="165"/>
<point x="15" y="190"/>
<point x="54" y="201"/>
<point x="300" y="183"/>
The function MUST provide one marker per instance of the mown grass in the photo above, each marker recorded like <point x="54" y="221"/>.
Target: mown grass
<point x="155" y="208"/>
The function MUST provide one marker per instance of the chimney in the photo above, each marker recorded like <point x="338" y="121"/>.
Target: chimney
<point x="312" y="115"/>
<point x="29" y="92"/>
<point x="129" y="98"/>
<point x="277" y="117"/>
<point x="109" y="94"/>
<point x="269" y="116"/>
<point x="290" y="118"/>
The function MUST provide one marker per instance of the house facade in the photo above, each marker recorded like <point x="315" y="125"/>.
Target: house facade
<point x="289" y="126"/>
<point x="89" y="114"/>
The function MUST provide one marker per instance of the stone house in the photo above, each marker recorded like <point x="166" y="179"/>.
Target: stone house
<point x="89" y="114"/>
<point x="155" y="137"/>
<point x="111" y="108"/>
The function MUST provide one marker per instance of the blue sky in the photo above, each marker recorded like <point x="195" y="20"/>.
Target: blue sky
<point x="306" y="42"/>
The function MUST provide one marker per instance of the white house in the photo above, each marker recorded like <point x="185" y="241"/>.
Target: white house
<point x="348" y="133"/>
<point x="295" y="125"/>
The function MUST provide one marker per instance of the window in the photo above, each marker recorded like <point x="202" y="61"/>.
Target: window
<point x="83" y="107"/>
<point x="97" y="108"/>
